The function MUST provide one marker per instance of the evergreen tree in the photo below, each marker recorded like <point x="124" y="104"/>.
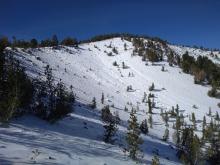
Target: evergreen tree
<point x="213" y="152"/>
<point x="125" y="46"/>
<point x="144" y="127"/>
<point x="210" y="112"/>
<point x="162" y="69"/>
<point x="102" y="99"/>
<point x="177" y="109"/>
<point x="203" y="126"/>
<point x="166" y="134"/>
<point x="50" y="88"/>
<point x="217" y="116"/>
<point x="62" y="105"/>
<point x="166" y="118"/>
<point x="150" y="121"/>
<point x="133" y="136"/>
<point x="126" y="109"/>
<point x="69" y="42"/>
<point x="149" y="106"/>
<point x="178" y="123"/>
<point x="93" y="105"/>
<point x="194" y="120"/>
<point x="33" y="43"/>
<point x="190" y="150"/>
<point x="151" y="88"/>
<point x="110" y="124"/>
<point x="54" y="41"/>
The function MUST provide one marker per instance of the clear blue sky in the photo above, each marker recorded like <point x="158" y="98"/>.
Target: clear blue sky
<point x="189" y="22"/>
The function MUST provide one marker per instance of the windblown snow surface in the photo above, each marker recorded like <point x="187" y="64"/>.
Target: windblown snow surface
<point x="77" y="139"/>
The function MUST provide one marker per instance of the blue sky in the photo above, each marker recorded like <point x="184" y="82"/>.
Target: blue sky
<point x="189" y="22"/>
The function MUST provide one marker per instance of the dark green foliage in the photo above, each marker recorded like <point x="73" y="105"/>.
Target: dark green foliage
<point x="52" y="102"/>
<point x="166" y="134"/>
<point x="54" y="41"/>
<point x="151" y="88"/>
<point x="212" y="92"/>
<point x="149" y="106"/>
<point x="133" y="136"/>
<point x="103" y="98"/>
<point x="62" y="103"/>
<point x="114" y="50"/>
<point x="144" y="127"/>
<point x="115" y="63"/>
<point x="213" y="152"/>
<point x="152" y="55"/>
<point x="93" y="104"/>
<point x="110" y="124"/>
<point x="187" y="62"/>
<point x="150" y="121"/>
<point x="171" y="58"/>
<point x="4" y="43"/>
<point x="33" y="43"/>
<point x="16" y="89"/>
<point x="69" y="42"/>
<point x="50" y="42"/>
<point x="20" y="43"/>
<point x="203" y="70"/>
<point x="190" y="148"/>
<point x="125" y="46"/>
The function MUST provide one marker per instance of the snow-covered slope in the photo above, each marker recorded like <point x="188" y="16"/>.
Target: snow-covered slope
<point x="212" y="55"/>
<point x="77" y="139"/>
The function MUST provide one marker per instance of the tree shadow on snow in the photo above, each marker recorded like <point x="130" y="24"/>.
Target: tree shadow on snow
<point x="80" y="133"/>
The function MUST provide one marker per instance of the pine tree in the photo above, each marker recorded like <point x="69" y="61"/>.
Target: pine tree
<point x="125" y="46"/>
<point x="178" y="123"/>
<point x="151" y="88"/>
<point x="166" y="118"/>
<point x="133" y="136"/>
<point x="194" y="120"/>
<point x="203" y="127"/>
<point x="123" y="65"/>
<point x="71" y="95"/>
<point x="166" y="134"/>
<point x="217" y="116"/>
<point x="144" y="127"/>
<point x="102" y="99"/>
<point x="210" y="112"/>
<point x="54" y="41"/>
<point x="190" y="147"/>
<point x="62" y="103"/>
<point x="176" y="137"/>
<point x="93" y="105"/>
<point x="149" y="106"/>
<point x="110" y="124"/>
<point x="50" y="88"/>
<point x="150" y="121"/>
<point x="69" y="42"/>
<point x="177" y="109"/>
<point x="213" y="152"/>
<point x="34" y="43"/>
<point x="162" y="69"/>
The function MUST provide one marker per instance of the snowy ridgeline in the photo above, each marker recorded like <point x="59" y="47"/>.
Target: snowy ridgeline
<point x="91" y="69"/>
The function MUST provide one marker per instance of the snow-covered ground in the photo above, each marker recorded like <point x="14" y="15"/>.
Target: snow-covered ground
<point x="77" y="139"/>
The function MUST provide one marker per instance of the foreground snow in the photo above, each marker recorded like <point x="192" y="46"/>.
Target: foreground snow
<point x="77" y="139"/>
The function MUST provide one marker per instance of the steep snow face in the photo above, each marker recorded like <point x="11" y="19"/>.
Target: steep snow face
<point x="90" y="70"/>
<point x="212" y="55"/>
